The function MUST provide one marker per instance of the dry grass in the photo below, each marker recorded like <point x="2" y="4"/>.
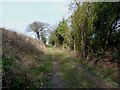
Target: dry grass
<point x="18" y="41"/>
<point x="22" y="55"/>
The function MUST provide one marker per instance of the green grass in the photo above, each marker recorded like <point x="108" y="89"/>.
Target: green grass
<point x="42" y="72"/>
<point x="39" y="75"/>
<point x="24" y="64"/>
<point x="106" y="74"/>
<point x="8" y="64"/>
<point x="72" y="77"/>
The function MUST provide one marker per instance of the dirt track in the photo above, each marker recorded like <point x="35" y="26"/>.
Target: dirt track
<point x="57" y="81"/>
<point x="73" y="75"/>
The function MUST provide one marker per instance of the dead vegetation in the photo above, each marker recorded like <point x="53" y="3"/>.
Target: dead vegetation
<point x="22" y="61"/>
<point x="106" y="64"/>
<point x="26" y="64"/>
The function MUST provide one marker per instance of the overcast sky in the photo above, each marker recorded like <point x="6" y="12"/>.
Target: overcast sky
<point x="18" y="15"/>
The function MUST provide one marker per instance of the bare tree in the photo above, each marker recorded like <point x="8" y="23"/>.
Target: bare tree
<point x="38" y="27"/>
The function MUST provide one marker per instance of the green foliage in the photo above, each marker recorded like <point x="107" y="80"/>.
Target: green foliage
<point x="116" y="56"/>
<point x="93" y="26"/>
<point x="44" y="40"/>
<point x="32" y="77"/>
<point x="53" y="39"/>
<point x="60" y="36"/>
<point x="79" y="21"/>
<point x="7" y="64"/>
<point x="15" y="79"/>
<point x="104" y="15"/>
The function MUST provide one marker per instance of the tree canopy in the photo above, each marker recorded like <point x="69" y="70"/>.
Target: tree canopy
<point x="94" y="28"/>
<point x="39" y="28"/>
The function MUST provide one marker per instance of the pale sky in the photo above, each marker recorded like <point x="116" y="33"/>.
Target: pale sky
<point x="18" y="15"/>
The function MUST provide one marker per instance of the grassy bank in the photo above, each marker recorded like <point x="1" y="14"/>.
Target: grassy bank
<point x="24" y="64"/>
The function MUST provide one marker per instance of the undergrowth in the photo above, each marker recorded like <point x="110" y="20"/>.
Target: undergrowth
<point x="24" y="63"/>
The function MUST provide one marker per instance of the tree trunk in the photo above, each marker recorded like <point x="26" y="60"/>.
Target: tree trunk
<point x="83" y="42"/>
<point x="74" y="46"/>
